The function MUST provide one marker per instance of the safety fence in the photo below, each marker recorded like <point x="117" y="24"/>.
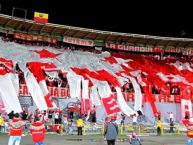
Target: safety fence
<point x="140" y="129"/>
<point x="89" y="129"/>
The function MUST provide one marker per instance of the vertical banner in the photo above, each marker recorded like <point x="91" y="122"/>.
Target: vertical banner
<point x="85" y="100"/>
<point x="2" y="107"/>
<point x="186" y="108"/>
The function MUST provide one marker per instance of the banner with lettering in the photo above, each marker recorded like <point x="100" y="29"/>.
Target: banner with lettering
<point x="64" y="93"/>
<point x="28" y="37"/>
<point x="174" y="50"/>
<point x="133" y="48"/>
<point x="54" y="91"/>
<point x="77" y="41"/>
<point x="187" y="51"/>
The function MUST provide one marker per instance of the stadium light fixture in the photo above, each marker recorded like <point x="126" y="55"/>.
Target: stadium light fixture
<point x="17" y="12"/>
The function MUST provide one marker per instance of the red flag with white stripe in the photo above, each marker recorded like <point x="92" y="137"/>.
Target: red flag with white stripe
<point x="35" y="68"/>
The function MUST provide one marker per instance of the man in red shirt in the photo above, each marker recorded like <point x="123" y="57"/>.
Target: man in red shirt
<point x="189" y="125"/>
<point x="187" y="113"/>
<point x="38" y="132"/>
<point x="72" y="109"/>
<point x="15" y="130"/>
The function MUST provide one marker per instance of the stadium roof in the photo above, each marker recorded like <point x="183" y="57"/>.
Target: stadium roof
<point x="15" y="24"/>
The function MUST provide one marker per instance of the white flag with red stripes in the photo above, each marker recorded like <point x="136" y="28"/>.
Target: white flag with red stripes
<point x="8" y="91"/>
<point x="85" y="100"/>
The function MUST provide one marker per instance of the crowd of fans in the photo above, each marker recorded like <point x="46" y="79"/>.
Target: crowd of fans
<point x="71" y="117"/>
<point x="61" y="80"/>
<point x="53" y="119"/>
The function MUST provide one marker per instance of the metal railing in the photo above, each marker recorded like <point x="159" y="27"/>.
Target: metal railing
<point x="89" y="129"/>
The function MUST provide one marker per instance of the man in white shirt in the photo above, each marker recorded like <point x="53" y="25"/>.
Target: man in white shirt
<point x="56" y="117"/>
<point x="134" y="119"/>
<point x="134" y="123"/>
<point x="171" y="116"/>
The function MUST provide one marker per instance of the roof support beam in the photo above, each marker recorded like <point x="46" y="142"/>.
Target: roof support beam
<point x="127" y="40"/>
<point x="43" y="26"/>
<point x="53" y="31"/>
<point x="19" y="26"/>
<point x="166" y="45"/>
<point x="71" y="35"/>
<point x="138" y="40"/>
<point x="118" y="38"/>
<point x="75" y="34"/>
<point x="31" y="27"/>
<point x="7" y="23"/>
<point x="177" y="45"/>
<point x="188" y="43"/>
<point x="147" y="42"/>
<point x="87" y="35"/>
<point x="151" y="42"/>
<point x="135" y="41"/>
<point x="97" y="37"/>
<point x="155" y="44"/>
<point x="66" y="31"/>
<point x="108" y="36"/>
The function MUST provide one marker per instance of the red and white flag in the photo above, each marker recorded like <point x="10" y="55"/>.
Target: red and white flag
<point x="123" y="104"/>
<point x="137" y="93"/>
<point x="85" y="100"/>
<point x="35" y="68"/>
<point x="2" y="106"/>
<point x="8" y="92"/>
<point x="186" y="108"/>
<point x="35" y="91"/>
<point x="74" y="82"/>
<point x="109" y="101"/>
<point x="94" y="96"/>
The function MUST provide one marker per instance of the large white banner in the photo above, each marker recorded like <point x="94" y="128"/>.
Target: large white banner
<point x="35" y="91"/>
<point x="9" y="94"/>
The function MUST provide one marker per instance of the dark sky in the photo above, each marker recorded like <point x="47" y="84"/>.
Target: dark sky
<point x="152" y="18"/>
